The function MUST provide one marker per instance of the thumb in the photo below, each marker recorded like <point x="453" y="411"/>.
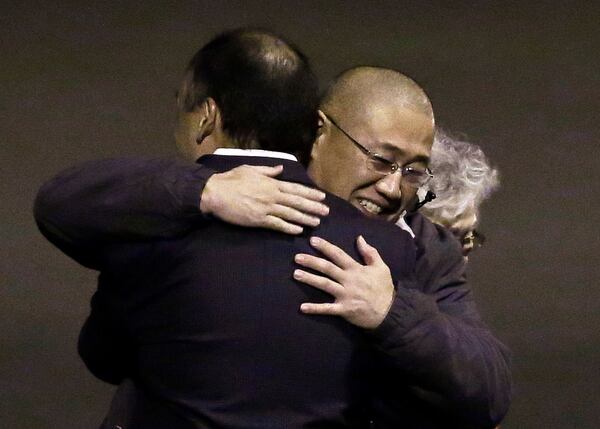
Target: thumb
<point x="268" y="171"/>
<point x="369" y="254"/>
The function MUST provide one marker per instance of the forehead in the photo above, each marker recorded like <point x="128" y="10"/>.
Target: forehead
<point x="400" y="132"/>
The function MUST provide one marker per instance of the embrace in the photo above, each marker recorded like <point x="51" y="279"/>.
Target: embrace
<point x="283" y="275"/>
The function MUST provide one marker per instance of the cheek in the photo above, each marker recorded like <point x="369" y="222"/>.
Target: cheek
<point x="358" y="179"/>
<point x="408" y="194"/>
<point x="347" y="171"/>
<point x="352" y="181"/>
<point x="183" y="140"/>
<point x="344" y="186"/>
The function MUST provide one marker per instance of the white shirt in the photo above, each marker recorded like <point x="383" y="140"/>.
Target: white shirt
<point x="255" y="152"/>
<point x="403" y="225"/>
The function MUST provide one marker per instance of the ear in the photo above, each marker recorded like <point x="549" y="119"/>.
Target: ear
<point x="320" y="122"/>
<point x="208" y="117"/>
<point x="321" y="134"/>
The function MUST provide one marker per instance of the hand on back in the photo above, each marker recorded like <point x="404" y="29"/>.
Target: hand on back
<point x="251" y="196"/>
<point x="362" y="292"/>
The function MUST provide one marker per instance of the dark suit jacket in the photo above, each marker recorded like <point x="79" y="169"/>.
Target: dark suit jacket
<point x="457" y="377"/>
<point x="441" y="367"/>
<point x="213" y="326"/>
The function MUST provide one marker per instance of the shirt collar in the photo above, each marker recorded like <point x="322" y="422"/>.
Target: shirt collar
<point x="403" y="225"/>
<point x="255" y="152"/>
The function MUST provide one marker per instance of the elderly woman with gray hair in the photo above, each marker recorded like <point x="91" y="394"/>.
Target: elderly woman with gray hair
<point x="463" y="179"/>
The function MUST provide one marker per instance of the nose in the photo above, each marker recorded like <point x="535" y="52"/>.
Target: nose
<point x="389" y="186"/>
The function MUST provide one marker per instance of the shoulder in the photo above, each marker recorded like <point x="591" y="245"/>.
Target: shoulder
<point x="440" y="262"/>
<point x="349" y="217"/>
<point x="395" y="245"/>
<point x="432" y="238"/>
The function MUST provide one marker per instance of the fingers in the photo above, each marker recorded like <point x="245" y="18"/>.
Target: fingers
<point x="368" y="252"/>
<point x="292" y="215"/>
<point x="319" y="282"/>
<point x="290" y="188"/>
<point x="301" y="191"/>
<point x="266" y="171"/>
<point x="333" y="253"/>
<point x="321" y="265"/>
<point x="330" y="309"/>
<point x="295" y="195"/>
<point x="278" y="224"/>
<point x="303" y="204"/>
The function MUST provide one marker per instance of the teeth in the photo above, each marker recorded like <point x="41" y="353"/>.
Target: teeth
<point x="370" y="206"/>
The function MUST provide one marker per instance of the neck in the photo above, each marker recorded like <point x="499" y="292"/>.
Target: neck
<point x="213" y="142"/>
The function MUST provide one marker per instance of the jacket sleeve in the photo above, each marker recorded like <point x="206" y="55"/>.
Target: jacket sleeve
<point x="88" y="209"/>
<point x="434" y="336"/>
<point x="91" y="205"/>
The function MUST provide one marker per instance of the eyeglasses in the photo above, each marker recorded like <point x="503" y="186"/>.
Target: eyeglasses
<point x="411" y="176"/>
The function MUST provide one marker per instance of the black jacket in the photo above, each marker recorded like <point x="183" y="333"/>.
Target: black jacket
<point x="210" y="325"/>
<point x="441" y="367"/>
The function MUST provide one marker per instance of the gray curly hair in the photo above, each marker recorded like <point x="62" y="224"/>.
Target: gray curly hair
<point x="463" y="178"/>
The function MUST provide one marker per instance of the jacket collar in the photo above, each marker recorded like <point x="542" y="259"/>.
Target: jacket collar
<point x="293" y="171"/>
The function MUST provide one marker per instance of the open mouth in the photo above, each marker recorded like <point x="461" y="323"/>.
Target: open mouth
<point x="372" y="209"/>
<point x="370" y="206"/>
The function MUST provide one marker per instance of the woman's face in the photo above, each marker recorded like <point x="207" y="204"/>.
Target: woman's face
<point x="463" y="228"/>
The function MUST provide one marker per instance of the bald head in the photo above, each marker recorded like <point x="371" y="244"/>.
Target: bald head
<point x="367" y="111"/>
<point x="361" y="90"/>
<point x="274" y="55"/>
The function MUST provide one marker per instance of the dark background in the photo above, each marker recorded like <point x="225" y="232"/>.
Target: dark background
<point x="88" y="81"/>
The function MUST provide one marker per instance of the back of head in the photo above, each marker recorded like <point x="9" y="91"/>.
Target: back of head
<point x="463" y="179"/>
<point x="264" y="88"/>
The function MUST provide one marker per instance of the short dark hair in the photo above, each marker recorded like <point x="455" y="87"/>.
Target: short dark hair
<point x="263" y="86"/>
